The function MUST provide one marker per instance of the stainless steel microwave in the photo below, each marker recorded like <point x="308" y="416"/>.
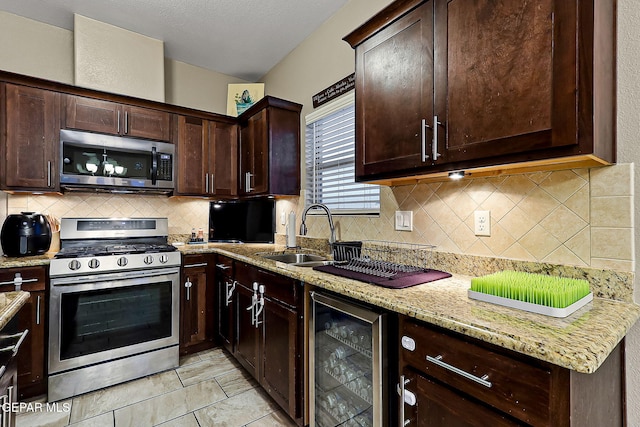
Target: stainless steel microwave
<point x="114" y="163"/>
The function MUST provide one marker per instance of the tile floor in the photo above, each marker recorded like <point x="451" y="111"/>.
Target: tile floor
<point x="208" y="389"/>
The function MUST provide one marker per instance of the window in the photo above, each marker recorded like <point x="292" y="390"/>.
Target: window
<point x="330" y="161"/>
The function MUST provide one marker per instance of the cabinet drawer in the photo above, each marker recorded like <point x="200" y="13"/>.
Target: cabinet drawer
<point x="277" y="287"/>
<point x="34" y="278"/>
<point x="507" y="383"/>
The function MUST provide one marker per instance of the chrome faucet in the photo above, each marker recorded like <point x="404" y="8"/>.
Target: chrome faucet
<point x="303" y="226"/>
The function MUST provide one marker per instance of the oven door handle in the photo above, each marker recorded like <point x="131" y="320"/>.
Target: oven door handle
<point x="74" y="280"/>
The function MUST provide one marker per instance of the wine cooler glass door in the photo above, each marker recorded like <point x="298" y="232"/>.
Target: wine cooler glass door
<point x="346" y="364"/>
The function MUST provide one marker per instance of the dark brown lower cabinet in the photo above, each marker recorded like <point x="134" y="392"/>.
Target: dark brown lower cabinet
<point x="226" y="299"/>
<point x="269" y="334"/>
<point x="197" y="304"/>
<point x="32" y="373"/>
<point x="447" y="379"/>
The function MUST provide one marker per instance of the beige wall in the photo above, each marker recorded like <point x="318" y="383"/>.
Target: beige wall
<point x="112" y="59"/>
<point x="629" y="151"/>
<point x="195" y="87"/>
<point x="36" y="49"/>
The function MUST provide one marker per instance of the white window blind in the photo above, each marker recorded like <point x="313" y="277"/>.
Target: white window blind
<point x="330" y="161"/>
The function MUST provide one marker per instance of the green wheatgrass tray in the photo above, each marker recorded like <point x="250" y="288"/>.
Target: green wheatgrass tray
<point x="536" y="293"/>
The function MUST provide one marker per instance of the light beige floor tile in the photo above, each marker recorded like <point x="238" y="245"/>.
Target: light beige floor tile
<point x="189" y="359"/>
<point x="45" y="418"/>
<point x="275" y="419"/>
<point x="236" y="382"/>
<point x="213" y="353"/>
<point x="104" y="420"/>
<point x="106" y="400"/>
<point x="236" y="411"/>
<point x="205" y="369"/>
<point x="188" y="420"/>
<point x="170" y="405"/>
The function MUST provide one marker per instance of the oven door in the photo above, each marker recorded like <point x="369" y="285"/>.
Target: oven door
<point x="98" y="318"/>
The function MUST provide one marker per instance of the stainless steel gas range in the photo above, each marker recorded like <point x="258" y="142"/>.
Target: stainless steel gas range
<point x="114" y="303"/>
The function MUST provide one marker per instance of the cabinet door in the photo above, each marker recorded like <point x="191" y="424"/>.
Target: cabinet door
<point x="197" y="305"/>
<point x="32" y="373"/>
<point x="223" y="159"/>
<point x="254" y="155"/>
<point x="31" y="138"/>
<point x="394" y="94"/>
<point x="226" y="293"/>
<point x="93" y="115"/>
<point x="247" y="334"/>
<point x="281" y="375"/>
<point x="438" y="405"/>
<point x="506" y="79"/>
<point x="193" y="163"/>
<point x="146" y="123"/>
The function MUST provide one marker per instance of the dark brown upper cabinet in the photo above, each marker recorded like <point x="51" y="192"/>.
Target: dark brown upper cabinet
<point x="270" y="148"/>
<point x="207" y="157"/>
<point x="30" y="141"/>
<point x="96" y="115"/>
<point x="483" y="86"/>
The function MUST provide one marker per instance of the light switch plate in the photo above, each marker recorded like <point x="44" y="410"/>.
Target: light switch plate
<point x="404" y="220"/>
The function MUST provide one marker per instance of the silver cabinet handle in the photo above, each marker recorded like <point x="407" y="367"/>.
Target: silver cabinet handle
<point x="201" y="264"/>
<point x="254" y="301"/>
<point x="38" y="310"/>
<point x="49" y="173"/>
<point x="223" y="267"/>
<point x="206" y="182"/>
<point x="423" y="130"/>
<point x="401" y="392"/>
<point x="18" y="281"/>
<point x="213" y="189"/>
<point x="126" y="122"/>
<point x="16" y="347"/>
<point x="434" y="146"/>
<point x="10" y="399"/>
<point x="247" y="182"/>
<point x="480" y="380"/>
<point x="260" y="305"/>
<point x="118" y="123"/>
<point x="188" y="285"/>
<point x="230" y="287"/>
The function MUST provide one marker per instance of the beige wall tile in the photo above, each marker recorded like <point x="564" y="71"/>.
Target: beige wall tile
<point x="563" y="184"/>
<point x="612" y="180"/>
<point x="612" y="211"/>
<point x="563" y="223"/>
<point x="612" y="243"/>
<point x="539" y="242"/>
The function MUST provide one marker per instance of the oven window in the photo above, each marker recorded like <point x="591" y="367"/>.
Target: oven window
<point x="100" y="320"/>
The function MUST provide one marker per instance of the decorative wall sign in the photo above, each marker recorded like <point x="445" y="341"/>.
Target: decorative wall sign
<point x="335" y="90"/>
<point x="241" y="96"/>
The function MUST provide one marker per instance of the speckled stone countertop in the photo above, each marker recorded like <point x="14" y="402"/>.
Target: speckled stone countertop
<point x="580" y="342"/>
<point x="10" y="304"/>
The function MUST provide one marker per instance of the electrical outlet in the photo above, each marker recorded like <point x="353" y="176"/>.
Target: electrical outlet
<point x="404" y="220"/>
<point x="482" y="223"/>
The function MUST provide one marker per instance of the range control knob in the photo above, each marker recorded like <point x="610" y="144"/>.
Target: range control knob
<point x="163" y="258"/>
<point x="122" y="261"/>
<point x="148" y="259"/>
<point x="94" y="263"/>
<point x="74" y="264"/>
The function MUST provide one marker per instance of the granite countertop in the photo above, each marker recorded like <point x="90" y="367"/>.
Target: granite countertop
<point x="10" y="304"/>
<point x="580" y="342"/>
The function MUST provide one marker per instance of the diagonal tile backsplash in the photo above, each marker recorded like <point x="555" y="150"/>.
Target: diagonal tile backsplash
<point x="580" y="217"/>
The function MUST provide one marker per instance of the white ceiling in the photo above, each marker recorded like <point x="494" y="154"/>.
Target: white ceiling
<point x="241" y="38"/>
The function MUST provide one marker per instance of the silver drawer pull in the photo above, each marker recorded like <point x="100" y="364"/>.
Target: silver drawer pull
<point x="201" y="264"/>
<point x="14" y="348"/>
<point x="480" y="380"/>
<point x="223" y="267"/>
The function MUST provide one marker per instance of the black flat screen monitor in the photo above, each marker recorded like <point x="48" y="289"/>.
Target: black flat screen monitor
<point x="246" y="221"/>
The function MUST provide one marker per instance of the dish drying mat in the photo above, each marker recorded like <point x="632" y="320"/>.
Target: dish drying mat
<point x="384" y="263"/>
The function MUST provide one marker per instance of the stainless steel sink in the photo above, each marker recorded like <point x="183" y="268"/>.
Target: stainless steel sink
<point x="295" y="258"/>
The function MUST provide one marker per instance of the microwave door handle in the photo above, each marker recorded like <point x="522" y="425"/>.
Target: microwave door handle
<point x="154" y="165"/>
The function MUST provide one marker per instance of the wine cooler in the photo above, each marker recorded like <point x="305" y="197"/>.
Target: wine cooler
<point x="347" y="364"/>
